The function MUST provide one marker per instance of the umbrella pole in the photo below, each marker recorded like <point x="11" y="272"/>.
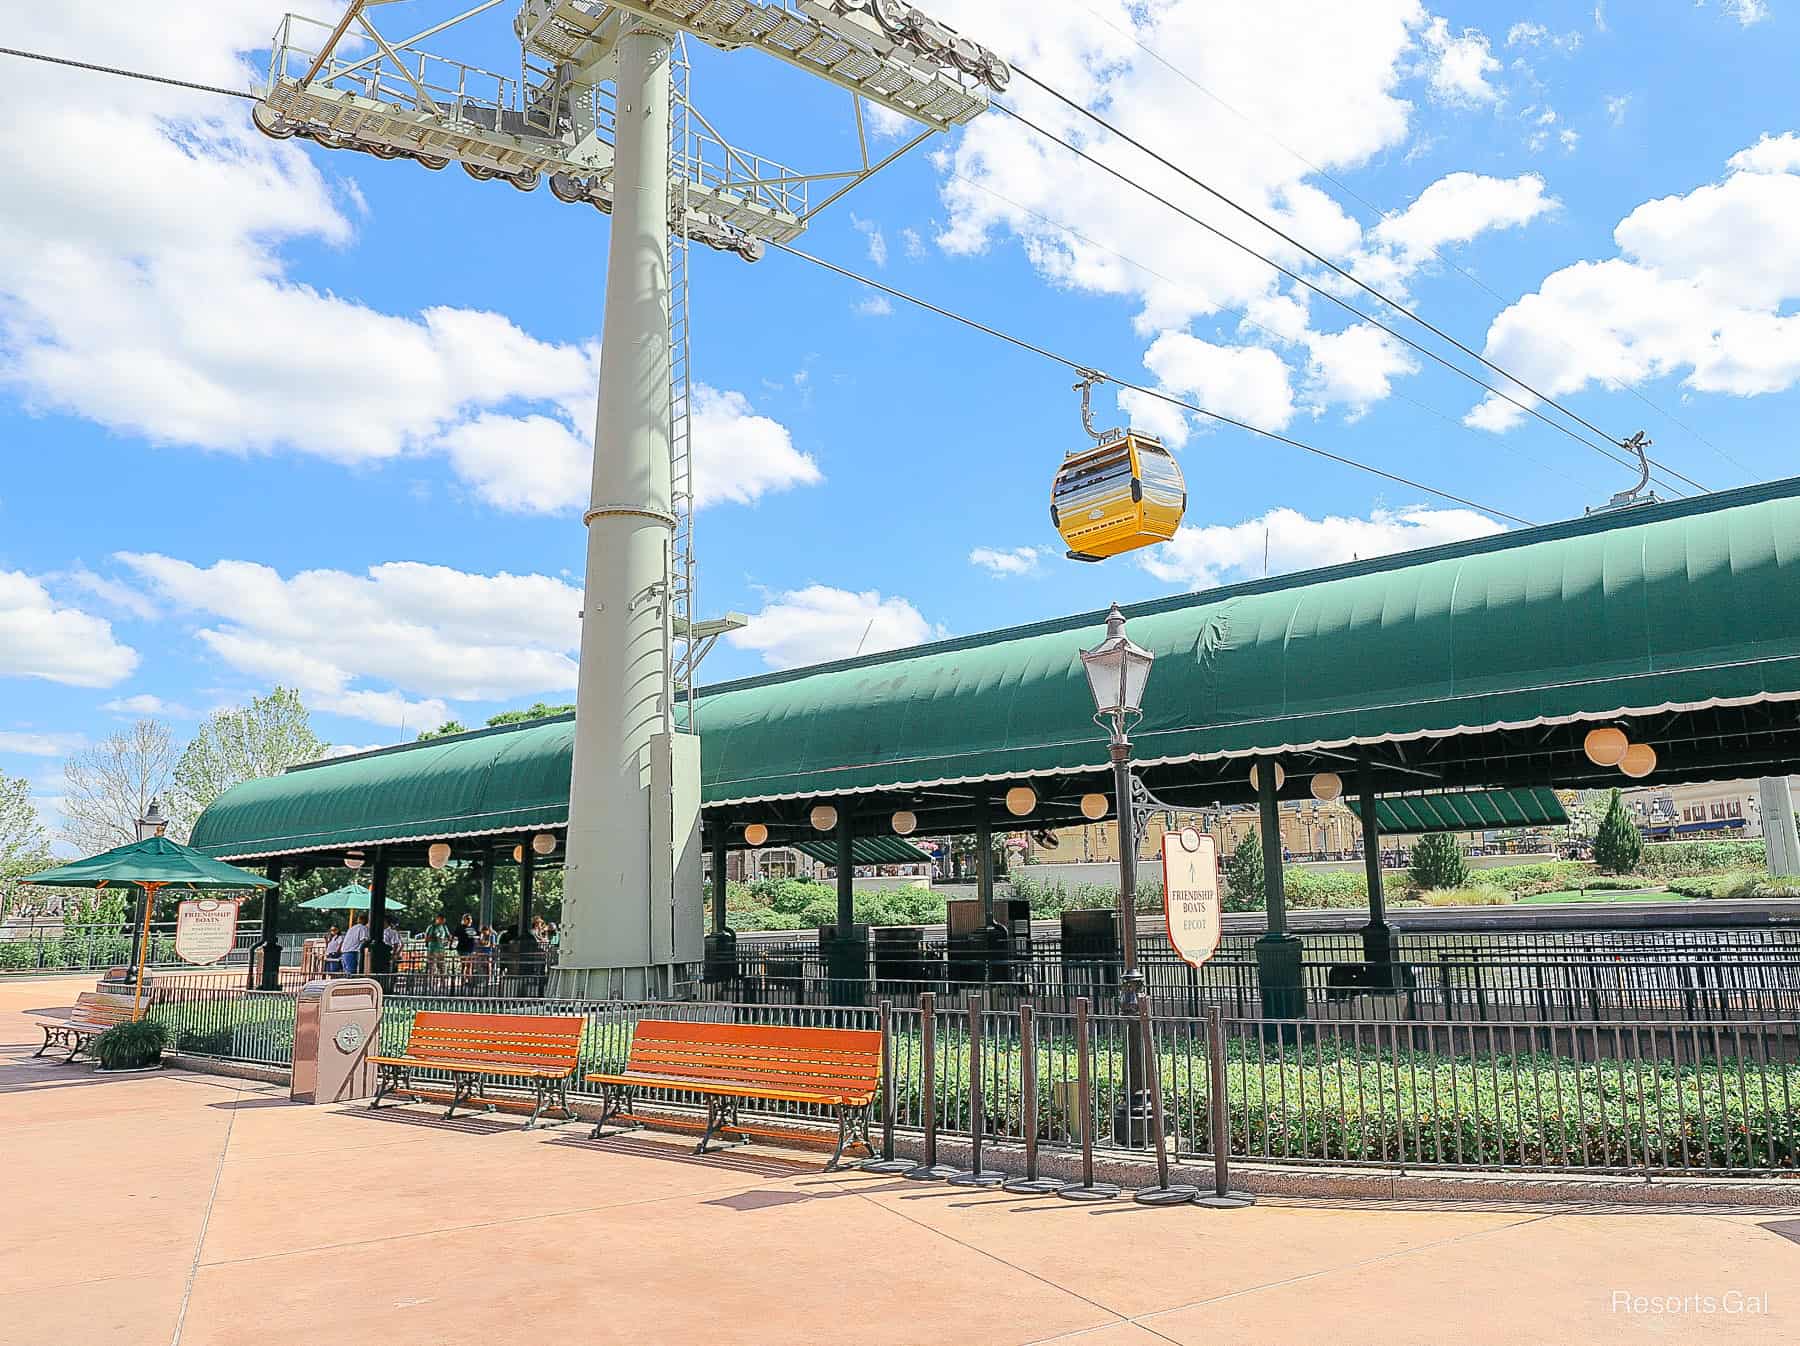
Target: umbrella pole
<point x="137" y="996"/>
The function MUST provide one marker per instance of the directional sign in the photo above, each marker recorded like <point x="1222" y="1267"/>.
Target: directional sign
<point x="205" y="929"/>
<point x="1191" y="894"/>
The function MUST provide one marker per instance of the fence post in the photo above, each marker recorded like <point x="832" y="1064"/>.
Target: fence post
<point x="1162" y="1194"/>
<point x="975" y="1175"/>
<point x="1030" y="1184"/>
<point x="1087" y="1189"/>
<point x="887" y="1163"/>
<point x="1219" y="1104"/>
<point x="930" y="1170"/>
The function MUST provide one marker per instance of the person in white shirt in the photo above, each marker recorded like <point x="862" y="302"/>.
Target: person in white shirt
<point x="334" y="948"/>
<point x="351" y="951"/>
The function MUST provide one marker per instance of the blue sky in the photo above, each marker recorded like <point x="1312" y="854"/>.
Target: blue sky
<point x="272" y="413"/>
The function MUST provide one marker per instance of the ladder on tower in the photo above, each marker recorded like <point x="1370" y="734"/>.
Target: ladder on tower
<point x="686" y="650"/>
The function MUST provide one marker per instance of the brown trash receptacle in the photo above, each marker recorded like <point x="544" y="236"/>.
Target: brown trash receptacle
<point x="337" y="1027"/>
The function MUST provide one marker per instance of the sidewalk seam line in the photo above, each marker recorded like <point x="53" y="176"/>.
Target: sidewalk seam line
<point x="212" y="1197"/>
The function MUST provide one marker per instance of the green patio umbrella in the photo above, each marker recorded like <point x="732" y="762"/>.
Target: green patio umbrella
<point x="152" y="865"/>
<point x="351" y="897"/>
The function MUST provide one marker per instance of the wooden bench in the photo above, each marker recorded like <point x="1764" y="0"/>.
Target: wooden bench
<point x="836" y="1068"/>
<point x="94" y="1013"/>
<point x="535" y="1051"/>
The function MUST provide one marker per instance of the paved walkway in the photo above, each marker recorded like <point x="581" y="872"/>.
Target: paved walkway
<point x="205" y="1211"/>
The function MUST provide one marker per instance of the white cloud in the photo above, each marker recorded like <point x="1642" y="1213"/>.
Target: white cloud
<point x="1247" y="383"/>
<point x="1459" y="64"/>
<point x="155" y="299"/>
<point x="1616" y="104"/>
<point x="40" y="638"/>
<point x="1355" y="367"/>
<point x="1219" y="553"/>
<point x="1005" y="562"/>
<point x="1154" y="416"/>
<point x="1702" y="288"/>
<point x="740" y="456"/>
<point x="1746" y="12"/>
<point x="121" y="596"/>
<point x="1528" y="35"/>
<point x="1457" y="208"/>
<point x="1569" y="139"/>
<point x="39" y="745"/>
<point x="819" y="623"/>
<point x="428" y="633"/>
<point x="145" y="704"/>
<point x="875" y="306"/>
<point x="872" y="236"/>
<point x="913" y="244"/>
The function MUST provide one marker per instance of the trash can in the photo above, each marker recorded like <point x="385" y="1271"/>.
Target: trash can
<point x="337" y="1027"/>
<point x="721" y="957"/>
<point x="1090" y="953"/>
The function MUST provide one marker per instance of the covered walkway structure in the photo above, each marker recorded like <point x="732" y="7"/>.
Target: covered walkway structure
<point x="1479" y="665"/>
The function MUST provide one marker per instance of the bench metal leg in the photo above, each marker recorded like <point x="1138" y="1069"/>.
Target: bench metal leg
<point x="721" y="1115"/>
<point x="387" y="1079"/>
<point x="615" y="1099"/>
<point x="464" y="1089"/>
<point x="853" y="1130"/>
<point x="49" y="1041"/>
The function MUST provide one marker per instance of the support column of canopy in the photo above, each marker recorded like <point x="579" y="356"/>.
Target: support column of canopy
<point x="984" y="860"/>
<point x="531" y="957"/>
<point x="846" y="944"/>
<point x="633" y="852"/>
<point x="1277" y="951"/>
<point x="375" y="952"/>
<point x="271" y="923"/>
<point x="1378" y="937"/>
<point x="719" y="838"/>
<point x="484" y="902"/>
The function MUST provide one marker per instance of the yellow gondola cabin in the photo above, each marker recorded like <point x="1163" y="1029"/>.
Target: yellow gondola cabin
<point x="1124" y="493"/>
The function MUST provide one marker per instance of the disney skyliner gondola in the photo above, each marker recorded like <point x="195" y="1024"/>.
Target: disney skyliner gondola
<point x="1125" y="492"/>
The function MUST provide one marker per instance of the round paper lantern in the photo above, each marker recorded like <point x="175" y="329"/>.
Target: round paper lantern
<point x="353" y="859"/>
<point x="1021" y="800"/>
<point x="905" y="823"/>
<point x="1280" y="777"/>
<point x="1327" y="786"/>
<point x="438" y="855"/>
<point x="756" y="834"/>
<point x="1605" y="747"/>
<point x="824" y="817"/>
<point x="1093" y="807"/>
<point x="544" y="842"/>
<point x="1639" y="760"/>
<point x="518" y="855"/>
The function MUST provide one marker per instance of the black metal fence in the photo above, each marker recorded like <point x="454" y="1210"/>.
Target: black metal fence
<point x="80" y="948"/>
<point x="1645" y="1095"/>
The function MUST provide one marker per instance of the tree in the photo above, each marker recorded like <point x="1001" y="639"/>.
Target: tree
<point x="1617" y="845"/>
<point x="444" y="730"/>
<point x="23" y="847"/>
<point x="1244" y="875"/>
<point x="249" y="742"/>
<point x="1437" y="862"/>
<point x="107" y="787"/>
<point x="536" y="711"/>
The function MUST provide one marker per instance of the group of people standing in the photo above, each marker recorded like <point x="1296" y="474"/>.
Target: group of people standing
<point x="464" y="953"/>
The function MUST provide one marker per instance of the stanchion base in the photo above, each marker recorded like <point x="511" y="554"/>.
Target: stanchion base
<point x="1034" y="1186"/>
<point x="887" y="1166"/>
<point x="1175" y="1195"/>
<point x="977" y="1177"/>
<point x="931" y="1173"/>
<point x="1225" y="1201"/>
<point x="1100" y="1191"/>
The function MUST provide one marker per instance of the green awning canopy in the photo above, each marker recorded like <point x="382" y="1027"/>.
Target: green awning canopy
<point x="158" y="861"/>
<point x="1467" y="811"/>
<point x="1475" y="664"/>
<point x="874" y="850"/>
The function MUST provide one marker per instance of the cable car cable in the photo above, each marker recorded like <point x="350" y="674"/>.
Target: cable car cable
<point x="1344" y="304"/>
<point x="1080" y="368"/>
<point x="1324" y="261"/>
<point x="1384" y="214"/>
<point x="128" y="74"/>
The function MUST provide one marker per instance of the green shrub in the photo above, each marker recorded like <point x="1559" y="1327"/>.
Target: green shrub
<point x="131" y="1046"/>
<point x="1314" y="889"/>
<point x="1524" y="880"/>
<point x="1617" y="843"/>
<point x="1437" y="862"/>
<point x="1685" y="859"/>
<point x="1464" y="897"/>
<point x="1736" y="883"/>
<point x="1244" y="875"/>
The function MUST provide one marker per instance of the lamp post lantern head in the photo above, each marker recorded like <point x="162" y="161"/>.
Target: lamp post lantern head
<point x="154" y="822"/>
<point x="1117" y="670"/>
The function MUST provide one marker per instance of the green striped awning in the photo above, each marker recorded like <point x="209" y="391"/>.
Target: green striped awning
<point x="1469" y="811"/>
<point x="866" y="851"/>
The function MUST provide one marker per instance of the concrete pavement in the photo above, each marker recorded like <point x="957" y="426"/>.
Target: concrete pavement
<point x="205" y="1211"/>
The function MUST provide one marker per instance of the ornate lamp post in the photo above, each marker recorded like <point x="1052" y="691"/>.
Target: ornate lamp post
<point x="1116" y="671"/>
<point x="153" y="824"/>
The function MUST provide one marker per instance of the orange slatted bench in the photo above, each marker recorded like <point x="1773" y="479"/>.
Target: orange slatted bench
<point x="837" y="1068"/>
<point x="535" y="1051"/>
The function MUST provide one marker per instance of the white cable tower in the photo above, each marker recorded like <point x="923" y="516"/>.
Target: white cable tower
<point x="600" y="108"/>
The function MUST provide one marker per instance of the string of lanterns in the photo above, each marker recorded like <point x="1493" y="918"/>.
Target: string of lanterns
<point x="437" y="855"/>
<point x="1609" y="746"/>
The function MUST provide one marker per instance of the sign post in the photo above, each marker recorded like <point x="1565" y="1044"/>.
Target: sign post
<point x="1191" y="894"/>
<point x="205" y="929"/>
